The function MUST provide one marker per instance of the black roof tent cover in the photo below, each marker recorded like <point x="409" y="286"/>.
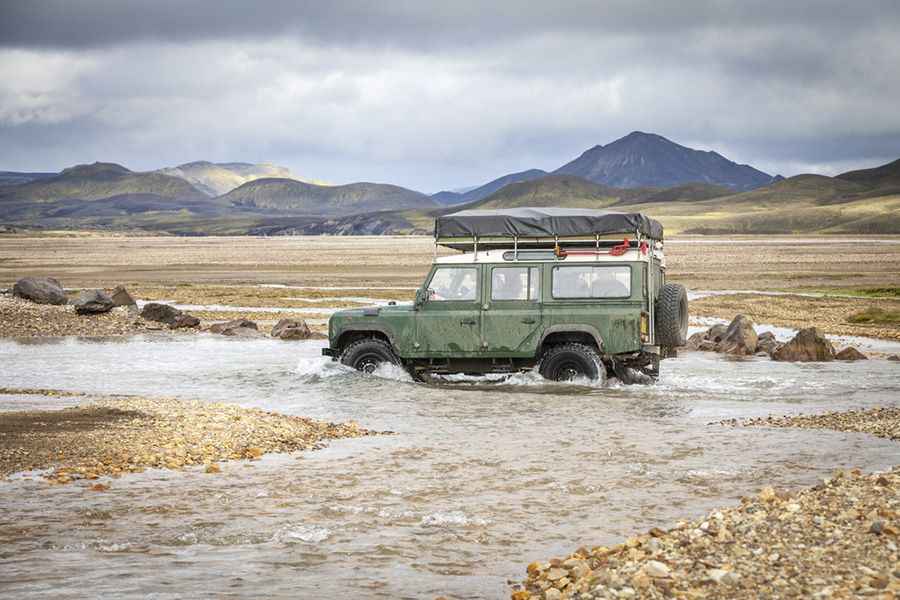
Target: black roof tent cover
<point x="543" y="223"/>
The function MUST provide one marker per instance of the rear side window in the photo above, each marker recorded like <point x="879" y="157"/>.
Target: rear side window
<point x="515" y="283"/>
<point x="592" y="282"/>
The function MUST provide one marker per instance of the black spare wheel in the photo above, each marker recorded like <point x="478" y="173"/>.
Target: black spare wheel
<point x="672" y="316"/>
<point x="571" y="361"/>
<point x="368" y="354"/>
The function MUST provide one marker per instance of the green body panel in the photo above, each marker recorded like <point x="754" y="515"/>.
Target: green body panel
<point x="508" y="328"/>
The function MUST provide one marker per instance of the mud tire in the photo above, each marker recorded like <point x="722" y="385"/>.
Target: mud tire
<point x="568" y="361"/>
<point x="672" y="316"/>
<point x="367" y="354"/>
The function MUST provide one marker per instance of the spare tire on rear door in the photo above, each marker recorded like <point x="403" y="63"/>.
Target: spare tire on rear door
<point x="672" y="316"/>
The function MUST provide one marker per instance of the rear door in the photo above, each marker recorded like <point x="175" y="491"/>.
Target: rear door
<point x="511" y="312"/>
<point x="449" y="322"/>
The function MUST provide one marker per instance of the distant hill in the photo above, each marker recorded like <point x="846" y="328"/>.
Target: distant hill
<point x="552" y="190"/>
<point x="305" y="198"/>
<point x="18" y="178"/>
<point x="97" y="181"/>
<point x="885" y="176"/>
<point x="649" y="160"/>
<point x="449" y="198"/>
<point x="215" y="179"/>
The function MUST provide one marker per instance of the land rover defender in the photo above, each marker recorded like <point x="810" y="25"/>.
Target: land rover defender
<point x="575" y="293"/>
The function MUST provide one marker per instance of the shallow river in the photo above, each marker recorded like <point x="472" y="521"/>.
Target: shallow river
<point x="478" y="480"/>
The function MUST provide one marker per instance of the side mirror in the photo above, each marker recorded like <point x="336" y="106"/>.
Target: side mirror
<point x="421" y="297"/>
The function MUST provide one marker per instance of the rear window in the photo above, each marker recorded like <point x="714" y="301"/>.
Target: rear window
<point x="592" y="281"/>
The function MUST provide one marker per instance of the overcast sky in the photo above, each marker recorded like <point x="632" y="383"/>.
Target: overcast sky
<point x="435" y="95"/>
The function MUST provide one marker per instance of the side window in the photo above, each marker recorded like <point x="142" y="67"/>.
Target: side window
<point x="454" y="283"/>
<point x="515" y="283"/>
<point x="592" y="282"/>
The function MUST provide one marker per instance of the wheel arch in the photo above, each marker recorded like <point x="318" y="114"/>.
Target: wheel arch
<point x="560" y="334"/>
<point x="348" y="336"/>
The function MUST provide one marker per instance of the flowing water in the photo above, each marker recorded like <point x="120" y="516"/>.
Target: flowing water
<point x="478" y="480"/>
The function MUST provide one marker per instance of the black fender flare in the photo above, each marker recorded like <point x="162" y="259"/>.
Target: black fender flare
<point x="573" y="328"/>
<point x="385" y="331"/>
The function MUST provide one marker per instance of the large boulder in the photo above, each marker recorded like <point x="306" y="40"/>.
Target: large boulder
<point x="291" y="329"/>
<point x="766" y="343"/>
<point x="184" y="321"/>
<point x="740" y="337"/>
<point x="161" y="313"/>
<point x="716" y="333"/>
<point x="121" y="297"/>
<point x="43" y="290"/>
<point x="237" y="328"/>
<point x="807" y="346"/>
<point x="169" y="315"/>
<point x="93" y="302"/>
<point x="850" y="353"/>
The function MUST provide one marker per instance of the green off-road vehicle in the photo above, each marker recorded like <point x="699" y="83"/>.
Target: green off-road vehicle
<point x="555" y="289"/>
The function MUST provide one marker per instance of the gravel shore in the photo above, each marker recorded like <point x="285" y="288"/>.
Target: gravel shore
<point x="21" y="318"/>
<point x="838" y="539"/>
<point x="882" y="422"/>
<point x="116" y="435"/>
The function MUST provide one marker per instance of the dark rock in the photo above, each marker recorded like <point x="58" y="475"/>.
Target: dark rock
<point x="894" y="358"/>
<point x="42" y="290"/>
<point x="765" y="336"/>
<point x="93" y="302"/>
<point x="716" y="332"/>
<point x="850" y="353"/>
<point x="161" y="313"/>
<point x="693" y="342"/>
<point x="291" y="329"/>
<point x="121" y="297"/>
<point x="767" y="346"/>
<point x="184" y="321"/>
<point x="708" y="346"/>
<point x="807" y="346"/>
<point x="740" y="337"/>
<point x="224" y="328"/>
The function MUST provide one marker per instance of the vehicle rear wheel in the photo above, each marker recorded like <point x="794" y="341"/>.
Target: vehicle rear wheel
<point x="672" y="316"/>
<point x="368" y="354"/>
<point x="571" y="361"/>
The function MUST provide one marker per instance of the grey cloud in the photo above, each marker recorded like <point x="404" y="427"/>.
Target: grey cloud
<point x="443" y="95"/>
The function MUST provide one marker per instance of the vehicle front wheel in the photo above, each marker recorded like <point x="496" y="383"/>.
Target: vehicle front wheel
<point x="368" y="354"/>
<point x="571" y="361"/>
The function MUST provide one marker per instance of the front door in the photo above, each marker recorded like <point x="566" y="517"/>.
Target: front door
<point x="511" y="319"/>
<point x="449" y="322"/>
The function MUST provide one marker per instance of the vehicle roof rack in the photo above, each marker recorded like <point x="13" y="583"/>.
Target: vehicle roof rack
<point x="540" y="227"/>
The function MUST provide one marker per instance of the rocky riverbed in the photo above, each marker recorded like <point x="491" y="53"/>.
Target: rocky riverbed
<point x="21" y="318"/>
<point x="837" y="539"/>
<point x="116" y="435"/>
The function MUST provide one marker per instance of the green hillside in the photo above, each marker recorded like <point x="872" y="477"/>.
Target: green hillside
<point x="98" y="181"/>
<point x="306" y="198"/>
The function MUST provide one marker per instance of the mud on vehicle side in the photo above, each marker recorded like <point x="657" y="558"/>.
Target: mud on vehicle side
<point x="590" y="305"/>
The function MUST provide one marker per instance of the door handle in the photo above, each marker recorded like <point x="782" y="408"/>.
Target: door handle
<point x="529" y="321"/>
<point x="468" y="322"/>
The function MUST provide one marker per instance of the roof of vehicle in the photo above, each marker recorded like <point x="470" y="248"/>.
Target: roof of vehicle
<point x="542" y="222"/>
<point x="507" y="257"/>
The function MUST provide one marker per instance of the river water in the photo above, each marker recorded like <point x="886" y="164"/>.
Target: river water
<point x="477" y="481"/>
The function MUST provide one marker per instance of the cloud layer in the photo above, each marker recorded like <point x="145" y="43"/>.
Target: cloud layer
<point x="443" y="96"/>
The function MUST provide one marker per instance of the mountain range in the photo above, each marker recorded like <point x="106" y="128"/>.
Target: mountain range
<point x="689" y="190"/>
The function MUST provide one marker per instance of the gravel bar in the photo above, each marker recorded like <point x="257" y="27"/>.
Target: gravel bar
<point x="111" y="436"/>
<point x="838" y="539"/>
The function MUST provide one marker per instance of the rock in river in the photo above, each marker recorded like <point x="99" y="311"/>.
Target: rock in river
<point x="807" y="346"/>
<point x="740" y="338"/>
<point x="291" y="329"/>
<point x="93" y="302"/>
<point x="171" y="316"/>
<point x="850" y="353"/>
<point x="43" y="290"/>
<point x="236" y="328"/>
